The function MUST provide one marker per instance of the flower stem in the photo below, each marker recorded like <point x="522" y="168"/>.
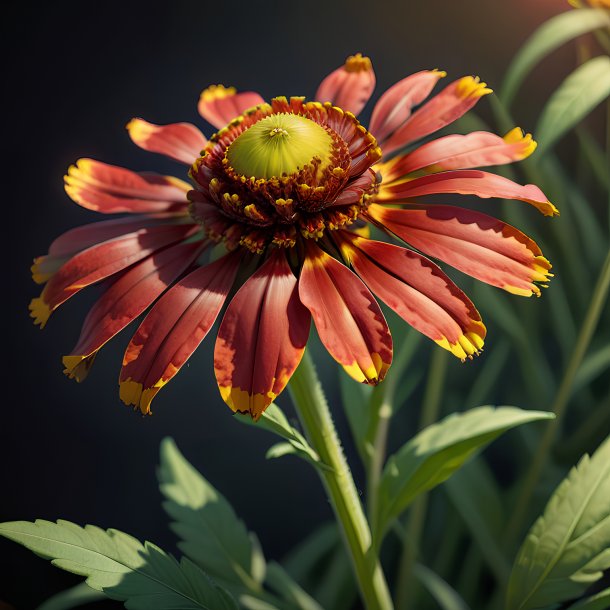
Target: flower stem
<point x="313" y="411"/>
<point x="417" y="512"/>
<point x="560" y="402"/>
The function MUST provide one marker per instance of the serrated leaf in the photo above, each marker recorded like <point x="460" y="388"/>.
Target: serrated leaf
<point x="446" y="596"/>
<point x="211" y="534"/>
<point x="439" y="450"/>
<point x="141" y="575"/>
<point x="569" y="545"/>
<point x="551" y="35"/>
<point x="599" y="601"/>
<point x="74" y="597"/>
<point x="577" y="95"/>
<point x="274" y="420"/>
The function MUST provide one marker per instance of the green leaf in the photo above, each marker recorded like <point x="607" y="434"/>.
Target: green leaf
<point x="446" y="597"/>
<point x="569" y="545"/>
<point x="579" y="93"/>
<point x="355" y="398"/>
<point x="592" y="366"/>
<point x="274" y="420"/>
<point x="211" y="534"/>
<point x="599" y="601"/>
<point x="551" y="35"/>
<point x="74" y="597"/>
<point x="141" y="575"/>
<point x="439" y="450"/>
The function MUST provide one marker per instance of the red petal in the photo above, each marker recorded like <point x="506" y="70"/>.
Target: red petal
<point x="102" y="261"/>
<point x="395" y="105"/>
<point x="449" y="105"/>
<point x="110" y="189"/>
<point x="180" y="141"/>
<point x="350" y="86"/>
<point x="476" y="149"/>
<point x="467" y="182"/>
<point x="173" y="329"/>
<point x="347" y="317"/>
<point x="125" y="299"/>
<point x="219" y="105"/>
<point x="418" y="291"/>
<point x="261" y="339"/>
<point x="474" y="243"/>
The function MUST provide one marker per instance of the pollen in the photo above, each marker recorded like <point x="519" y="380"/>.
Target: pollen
<point x="357" y="63"/>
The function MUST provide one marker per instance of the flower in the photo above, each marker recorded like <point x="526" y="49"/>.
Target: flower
<point x="284" y="195"/>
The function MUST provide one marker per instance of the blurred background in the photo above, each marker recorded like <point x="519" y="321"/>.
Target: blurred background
<point x="77" y="73"/>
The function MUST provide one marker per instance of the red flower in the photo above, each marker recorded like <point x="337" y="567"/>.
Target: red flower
<point x="288" y="189"/>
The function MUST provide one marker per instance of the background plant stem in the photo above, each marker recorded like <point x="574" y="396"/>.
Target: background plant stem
<point x="417" y="513"/>
<point x="315" y="416"/>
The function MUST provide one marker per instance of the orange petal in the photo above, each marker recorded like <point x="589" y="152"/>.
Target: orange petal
<point x="348" y="319"/>
<point x="219" y="105"/>
<point x="261" y="338"/>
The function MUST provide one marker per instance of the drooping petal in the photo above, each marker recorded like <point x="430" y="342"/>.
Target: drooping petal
<point x="75" y="240"/>
<point x="173" y="329"/>
<point x="350" y="86"/>
<point x="180" y="141"/>
<point x="125" y="299"/>
<point x="219" y="105"/>
<point x="348" y="319"/>
<point x="102" y="261"/>
<point x="418" y="291"/>
<point x="395" y="105"/>
<point x="449" y="105"/>
<point x="261" y="338"/>
<point x="476" y="149"/>
<point x="110" y="189"/>
<point x="474" y="243"/>
<point x="466" y="182"/>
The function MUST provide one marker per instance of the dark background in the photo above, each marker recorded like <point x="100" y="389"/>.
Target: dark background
<point x="77" y="72"/>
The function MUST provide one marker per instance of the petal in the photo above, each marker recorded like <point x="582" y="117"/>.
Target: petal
<point x="467" y="182"/>
<point x="219" y="105"/>
<point x="180" y="141"/>
<point x="476" y="149"/>
<point x="395" y="105"/>
<point x="261" y="338"/>
<point x="348" y="319"/>
<point x="173" y="330"/>
<point x="100" y="262"/>
<point x="450" y="104"/>
<point x="350" y="86"/>
<point x="474" y="243"/>
<point x="125" y="299"/>
<point x="110" y="189"/>
<point x="418" y="291"/>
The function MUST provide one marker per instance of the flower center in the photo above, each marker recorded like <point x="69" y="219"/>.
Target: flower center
<point x="280" y="144"/>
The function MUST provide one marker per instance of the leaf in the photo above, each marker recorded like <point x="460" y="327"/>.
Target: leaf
<point x="569" y="545"/>
<point x="74" y="597"/>
<point x="355" y="398"/>
<point x="439" y="450"/>
<point x="474" y="494"/>
<point x="141" y="575"/>
<point x="577" y="95"/>
<point x="551" y="35"/>
<point x="281" y="582"/>
<point x="445" y="595"/>
<point x="211" y="534"/>
<point x="592" y="366"/>
<point x="274" y="420"/>
<point x="599" y="601"/>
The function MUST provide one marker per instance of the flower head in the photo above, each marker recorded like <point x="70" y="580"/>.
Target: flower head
<point x="288" y="190"/>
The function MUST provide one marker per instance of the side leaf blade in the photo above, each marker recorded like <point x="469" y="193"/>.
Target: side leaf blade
<point x="568" y="547"/>
<point x="438" y="451"/>
<point x="141" y="575"/>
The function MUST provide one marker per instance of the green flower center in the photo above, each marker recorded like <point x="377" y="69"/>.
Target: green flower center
<point x="280" y="144"/>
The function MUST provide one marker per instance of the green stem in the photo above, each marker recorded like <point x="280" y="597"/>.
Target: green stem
<point x="417" y="513"/>
<point x="313" y="411"/>
<point x="560" y="402"/>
